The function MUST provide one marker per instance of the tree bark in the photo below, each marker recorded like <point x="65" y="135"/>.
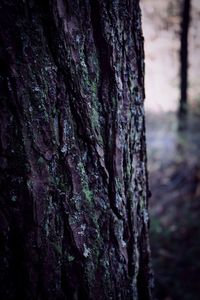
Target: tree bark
<point x="184" y="56"/>
<point x="74" y="186"/>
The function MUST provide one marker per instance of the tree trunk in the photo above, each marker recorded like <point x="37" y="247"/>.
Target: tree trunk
<point x="184" y="56"/>
<point x="74" y="190"/>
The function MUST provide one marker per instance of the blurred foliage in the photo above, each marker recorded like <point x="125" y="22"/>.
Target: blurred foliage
<point x="174" y="164"/>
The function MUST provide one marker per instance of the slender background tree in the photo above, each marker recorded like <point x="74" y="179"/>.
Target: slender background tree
<point x="185" y="21"/>
<point x="74" y="187"/>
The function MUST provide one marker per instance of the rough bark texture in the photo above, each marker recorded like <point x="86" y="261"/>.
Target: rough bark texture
<point x="73" y="202"/>
<point x="184" y="55"/>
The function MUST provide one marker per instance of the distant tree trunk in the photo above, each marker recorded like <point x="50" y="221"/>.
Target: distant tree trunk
<point x="184" y="56"/>
<point x="74" y="190"/>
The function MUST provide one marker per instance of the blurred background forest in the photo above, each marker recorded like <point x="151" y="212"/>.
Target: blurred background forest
<point x="173" y="142"/>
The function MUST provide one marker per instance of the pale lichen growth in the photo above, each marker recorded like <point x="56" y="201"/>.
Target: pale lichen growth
<point x="82" y="231"/>
<point x="86" y="251"/>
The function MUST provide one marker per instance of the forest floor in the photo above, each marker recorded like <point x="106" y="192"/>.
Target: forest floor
<point x="174" y="173"/>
